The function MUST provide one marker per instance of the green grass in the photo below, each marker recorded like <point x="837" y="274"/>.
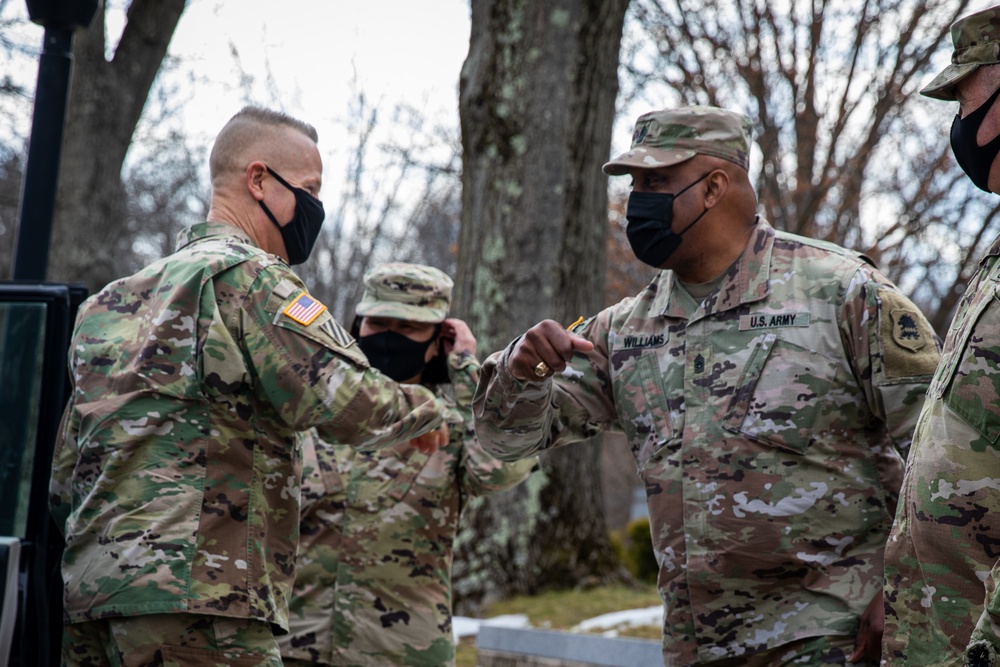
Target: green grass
<point x="465" y="653"/>
<point x="561" y="610"/>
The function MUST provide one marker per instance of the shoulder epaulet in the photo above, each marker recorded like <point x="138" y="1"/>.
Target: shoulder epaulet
<point x="832" y="248"/>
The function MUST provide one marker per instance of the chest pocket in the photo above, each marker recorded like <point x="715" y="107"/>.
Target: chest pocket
<point x="643" y="403"/>
<point x="784" y="395"/>
<point x="404" y="467"/>
<point x="970" y="381"/>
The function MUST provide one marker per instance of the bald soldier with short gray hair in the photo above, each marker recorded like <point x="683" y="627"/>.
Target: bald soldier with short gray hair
<point x="176" y="476"/>
<point x="768" y="385"/>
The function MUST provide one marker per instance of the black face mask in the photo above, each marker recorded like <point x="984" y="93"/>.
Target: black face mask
<point x="975" y="160"/>
<point x="394" y="354"/>
<point x="650" y="218"/>
<point x="302" y="230"/>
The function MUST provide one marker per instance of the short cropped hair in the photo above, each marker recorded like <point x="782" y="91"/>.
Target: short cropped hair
<point x="244" y="131"/>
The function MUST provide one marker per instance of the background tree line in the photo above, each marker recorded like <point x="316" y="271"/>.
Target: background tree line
<point x="512" y="202"/>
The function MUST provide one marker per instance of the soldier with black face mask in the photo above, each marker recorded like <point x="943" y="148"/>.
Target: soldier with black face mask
<point x="175" y="476"/>
<point x="768" y="384"/>
<point x="943" y="555"/>
<point x="374" y="580"/>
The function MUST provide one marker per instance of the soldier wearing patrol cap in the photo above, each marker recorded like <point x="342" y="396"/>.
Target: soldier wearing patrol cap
<point x="374" y="580"/>
<point x="768" y="385"/>
<point x="176" y="476"/>
<point x="943" y="555"/>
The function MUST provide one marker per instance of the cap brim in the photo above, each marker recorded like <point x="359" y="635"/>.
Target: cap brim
<point x="942" y="87"/>
<point x="400" y="311"/>
<point x="646" y="158"/>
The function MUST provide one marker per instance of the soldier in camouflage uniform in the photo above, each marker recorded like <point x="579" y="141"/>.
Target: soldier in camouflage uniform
<point x="768" y="385"/>
<point x="942" y="567"/>
<point x="374" y="580"/>
<point x="176" y="477"/>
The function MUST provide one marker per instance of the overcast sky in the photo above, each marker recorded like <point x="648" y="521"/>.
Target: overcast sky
<point x="311" y="50"/>
<point x="305" y="57"/>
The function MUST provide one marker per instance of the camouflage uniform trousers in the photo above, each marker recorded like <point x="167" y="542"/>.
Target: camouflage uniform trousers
<point x="808" y="652"/>
<point x="170" y="640"/>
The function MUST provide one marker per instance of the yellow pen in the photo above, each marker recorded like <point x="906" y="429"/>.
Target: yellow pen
<point x="570" y="327"/>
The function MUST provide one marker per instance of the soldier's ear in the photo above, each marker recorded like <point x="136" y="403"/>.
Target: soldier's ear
<point x="254" y="177"/>
<point x="717" y="183"/>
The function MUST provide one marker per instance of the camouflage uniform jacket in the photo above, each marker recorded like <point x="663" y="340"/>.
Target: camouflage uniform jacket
<point x="374" y="580"/>
<point x="767" y="424"/>
<point x="176" y="476"/>
<point x="946" y="540"/>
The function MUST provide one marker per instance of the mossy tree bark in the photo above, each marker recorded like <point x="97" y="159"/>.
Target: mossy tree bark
<point x="106" y="100"/>
<point x="537" y="102"/>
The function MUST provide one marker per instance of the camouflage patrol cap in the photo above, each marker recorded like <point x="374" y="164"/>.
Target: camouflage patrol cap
<point x="406" y="292"/>
<point x="977" y="42"/>
<point x="670" y="136"/>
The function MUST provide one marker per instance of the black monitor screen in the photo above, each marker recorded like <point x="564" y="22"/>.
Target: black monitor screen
<point x="22" y="346"/>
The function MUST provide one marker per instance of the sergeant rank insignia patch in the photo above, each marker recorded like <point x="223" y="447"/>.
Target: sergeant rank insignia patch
<point x="304" y="309"/>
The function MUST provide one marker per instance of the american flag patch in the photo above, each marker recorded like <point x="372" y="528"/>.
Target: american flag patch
<point x="304" y="309"/>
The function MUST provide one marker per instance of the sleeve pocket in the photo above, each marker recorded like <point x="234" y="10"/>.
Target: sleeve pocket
<point x="326" y="331"/>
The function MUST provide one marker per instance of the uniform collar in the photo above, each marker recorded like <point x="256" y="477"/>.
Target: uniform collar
<point x="205" y="230"/>
<point x="746" y="282"/>
<point x="994" y="251"/>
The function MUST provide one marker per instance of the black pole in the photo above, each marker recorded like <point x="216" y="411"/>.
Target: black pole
<point x="38" y="191"/>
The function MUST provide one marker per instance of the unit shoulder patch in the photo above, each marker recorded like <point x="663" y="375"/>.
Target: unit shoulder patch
<point x="906" y="329"/>
<point x="908" y="345"/>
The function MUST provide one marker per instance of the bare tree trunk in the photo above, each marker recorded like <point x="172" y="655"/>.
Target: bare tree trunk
<point x="11" y="173"/>
<point x="106" y="100"/>
<point x="537" y="102"/>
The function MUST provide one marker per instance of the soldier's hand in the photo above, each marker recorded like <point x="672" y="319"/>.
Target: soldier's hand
<point x="546" y="342"/>
<point x="428" y="443"/>
<point x="868" y="643"/>
<point x="456" y="336"/>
